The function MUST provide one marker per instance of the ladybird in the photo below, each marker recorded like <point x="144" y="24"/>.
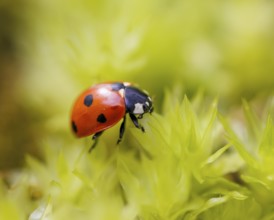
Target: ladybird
<point x="104" y="105"/>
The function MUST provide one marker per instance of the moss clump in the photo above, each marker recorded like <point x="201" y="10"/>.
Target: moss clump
<point x="190" y="164"/>
<point x="200" y="158"/>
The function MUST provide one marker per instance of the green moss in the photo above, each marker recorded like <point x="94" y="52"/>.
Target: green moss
<point x="205" y="153"/>
<point x="178" y="169"/>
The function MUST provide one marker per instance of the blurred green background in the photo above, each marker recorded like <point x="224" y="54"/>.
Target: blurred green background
<point x="51" y="50"/>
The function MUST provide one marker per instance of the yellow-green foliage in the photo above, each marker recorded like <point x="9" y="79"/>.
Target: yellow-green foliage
<point x="178" y="169"/>
<point x="208" y="149"/>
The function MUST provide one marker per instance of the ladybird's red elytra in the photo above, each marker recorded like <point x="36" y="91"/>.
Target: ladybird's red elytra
<point x="103" y="105"/>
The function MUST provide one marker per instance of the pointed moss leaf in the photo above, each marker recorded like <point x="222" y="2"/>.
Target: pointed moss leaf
<point x="266" y="148"/>
<point x="236" y="142"/>
<point x="208" y="204"/>
<point x="254" y="180"/>
<point x="198" y="100"/>
<point x="237" y="195"/>
<point x="233" y="209"/>
<point x="216" y="155"/>
<point x="43" y="212"/>
<point x="216" y="201"/>
<point x="253" y="122"/>
<point x="210" y="126"/>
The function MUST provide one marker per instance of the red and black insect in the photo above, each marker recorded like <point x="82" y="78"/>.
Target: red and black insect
<point x="103" y="105"/>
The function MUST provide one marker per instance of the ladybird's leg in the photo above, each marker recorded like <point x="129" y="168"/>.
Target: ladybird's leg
<point x="122" y="130"/>
<point x="95" y="139"/>
<point x="136" y="123"/>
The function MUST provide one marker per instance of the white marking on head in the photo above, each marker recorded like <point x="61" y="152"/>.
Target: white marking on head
<point x="122" y="92"/>
<point x="138" y="109"/>
<point x="149" y="98"/>
<point x="147" y="103"/>
<point x="126" y="84"/>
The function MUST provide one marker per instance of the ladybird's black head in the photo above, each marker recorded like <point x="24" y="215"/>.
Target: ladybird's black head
<point x="137" y="102"/>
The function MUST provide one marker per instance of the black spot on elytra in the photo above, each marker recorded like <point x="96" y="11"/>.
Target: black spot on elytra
<point x="74" y="127"/>
<point x="101" y="118"/>
<point x="88" y="100"/>
<point x="117" y="86"/>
